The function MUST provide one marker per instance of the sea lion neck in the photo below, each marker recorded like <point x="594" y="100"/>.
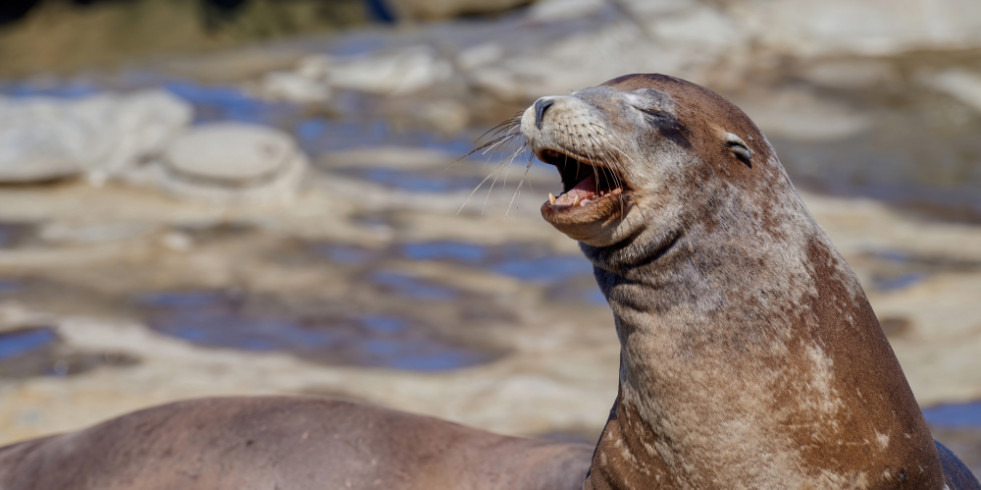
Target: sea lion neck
<point x="749" y="353"/>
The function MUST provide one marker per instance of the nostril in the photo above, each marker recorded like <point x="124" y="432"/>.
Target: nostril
<point x="541" y="105"/>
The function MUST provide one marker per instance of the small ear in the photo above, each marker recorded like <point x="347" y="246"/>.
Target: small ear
<point x="740" y="149"/>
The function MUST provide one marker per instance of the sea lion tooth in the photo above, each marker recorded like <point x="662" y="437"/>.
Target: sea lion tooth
<point x="575" y="202"/>
<point x="551" y="198"/>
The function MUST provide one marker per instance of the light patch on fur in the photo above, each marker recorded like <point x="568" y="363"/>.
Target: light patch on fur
<point x="883" y="439"/>
<point x="822" y="375"/>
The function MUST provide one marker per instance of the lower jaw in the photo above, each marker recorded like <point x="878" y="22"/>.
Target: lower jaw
<point x="605" y="210"/>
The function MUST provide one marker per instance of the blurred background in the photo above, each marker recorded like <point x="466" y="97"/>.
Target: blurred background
<point x="205" y="197"/>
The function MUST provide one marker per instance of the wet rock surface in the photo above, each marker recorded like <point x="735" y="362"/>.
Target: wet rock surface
<point x="389" y="271"/>
<point x="100" y="136"/>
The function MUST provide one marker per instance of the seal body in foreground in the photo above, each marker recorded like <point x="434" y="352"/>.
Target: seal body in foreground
<point x="750" y="357"/>
<point x="287" y="443"/>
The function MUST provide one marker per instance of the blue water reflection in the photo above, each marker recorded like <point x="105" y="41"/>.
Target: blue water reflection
<point x="955" y="415"/>
<point x="20" y="342"/>
<point x="221" y="320"/>
<point x="413" y="287"/>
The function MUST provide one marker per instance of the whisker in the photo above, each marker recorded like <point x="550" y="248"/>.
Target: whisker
<point x="524" y="178"/>
<point x="495" y="136"/>
<point x="500" y="135"/>
<point x="531" y="161"/>
<point x="517" y="192"/>
<point x="481" y="184"/>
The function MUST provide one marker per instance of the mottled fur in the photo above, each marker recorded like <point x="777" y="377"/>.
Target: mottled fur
<point x="750" y="356"/>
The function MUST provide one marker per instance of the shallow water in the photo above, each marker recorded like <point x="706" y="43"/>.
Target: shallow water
<point x="893" y="270"/>
<point x="527" y="262"/>
<point x="226" y="320"/>
<point x="412" y="287"/>
<point x="10" y="285"/>
<point x="15" y="234"/>
<point x="413" y="181"/>
<point x="24" y="341"/>
<point x="955" y="415"/>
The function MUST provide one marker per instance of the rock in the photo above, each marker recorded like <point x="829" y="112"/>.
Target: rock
<point x="804" y="28"/>
<point x="855" y="73"/>
<point x="714" y="43"/>
<point x="294" y="87"/>
<point x="101" y="136"/>
<point x="962" y="85"/>
<point x="137" y="127"/>
<point x="306" y="84"/>
<point x="314" y="67"/>
<point x="42" y="139"/>
<point x="392" y="73"/>
<point x="231" y="162"/>
<point x="402" y="71"/>
<point x="803" y="115"/>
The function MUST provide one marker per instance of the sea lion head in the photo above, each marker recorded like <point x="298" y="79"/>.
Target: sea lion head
<point x="642" y="155"/>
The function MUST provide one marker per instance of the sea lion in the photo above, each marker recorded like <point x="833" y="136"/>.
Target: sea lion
<point x="750" y="357"/>
<point x="287" y="443"/>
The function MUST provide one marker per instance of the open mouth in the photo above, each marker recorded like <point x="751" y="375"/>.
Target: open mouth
<point x="585" y="185"/>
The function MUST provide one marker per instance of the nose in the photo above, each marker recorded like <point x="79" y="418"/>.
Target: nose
<point x="542" y="105"/>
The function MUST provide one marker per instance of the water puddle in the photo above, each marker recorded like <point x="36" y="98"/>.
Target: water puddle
<point x="36" y="351"/>
<point x="320" y="134"/>
<point x="447" y="250"/>
<point x="11" y="286"/>
<point x="14" y="235"/>
<point x="527" y="262"/>
<point x="24" y="341"/>
<point x="343" y="254"/>
<point x="568" y="277"/>
<point x="62" y="89"/>
<point x="214" y="103"/>
<point x="412" y="181"/>
<point x="955" y="415"/>
<point x="893" y="270"/>
<point x="579" y="291"/>
<point x="548" y="270"/>
<point x="413" y="287"/>
<point x="379" y="221"/>
<point x="219" y="319"/>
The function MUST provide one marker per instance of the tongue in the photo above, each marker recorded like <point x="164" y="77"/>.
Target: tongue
<point x="583" y="190"/>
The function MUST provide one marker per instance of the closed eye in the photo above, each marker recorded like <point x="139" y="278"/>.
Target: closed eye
<point x="657" y="113"/>
<point x="668" y="126"/>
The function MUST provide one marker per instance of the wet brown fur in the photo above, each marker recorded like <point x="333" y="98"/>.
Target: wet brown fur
<point x="750" y="355"/>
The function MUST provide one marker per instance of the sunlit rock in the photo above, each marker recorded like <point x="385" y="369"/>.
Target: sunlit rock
<point x="231" y="162"/>
<point x="44" y="138"/>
